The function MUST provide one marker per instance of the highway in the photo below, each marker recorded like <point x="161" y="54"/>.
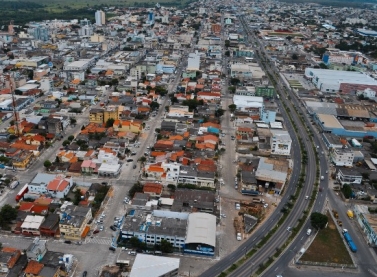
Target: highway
<point x="278" y="239"/>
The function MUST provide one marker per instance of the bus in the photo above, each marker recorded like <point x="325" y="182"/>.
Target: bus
<point x="22" y="192"/>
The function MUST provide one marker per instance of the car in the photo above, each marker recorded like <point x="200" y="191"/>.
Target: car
<point x="101" y="228"/>
<point x="134" y="166"/>
<point x="96" y="231"/>
<point x="265" y="206"/>
<point x="289" y="229"/>
<point x="67" y="241"/>
<point x="238" y="206"/>
<point x="306" y="197"/>
<point x="133" y="153"/>
<point x="130" y="160"/>
<point x="84" y="273"/>
<point x="113" y="228"/>
<point x="112" y="248"/>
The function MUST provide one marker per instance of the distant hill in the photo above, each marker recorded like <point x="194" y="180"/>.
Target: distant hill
<point x="335" y="3"/>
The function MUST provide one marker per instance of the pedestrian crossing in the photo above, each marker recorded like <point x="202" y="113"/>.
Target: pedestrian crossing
<point x="99" y="240"/>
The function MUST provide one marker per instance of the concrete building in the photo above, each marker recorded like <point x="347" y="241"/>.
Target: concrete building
<point x="349" y="176"/>
<point x="36" y="250"/>
<point x="188" y="175"/>
<point x="342" y="156"/>
<point x="367" y="222"/>
<point x="100" y="18"/>
<point x="280" y="142"/>
<point x="180" y="111"/>
<point x="73" y="222"/>
<point x="253" y="105"/>
<point x="31" y="224"/>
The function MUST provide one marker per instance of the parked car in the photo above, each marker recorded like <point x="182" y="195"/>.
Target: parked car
<point x="96" y="231"/>
<point x="67" y="241"/>
<point x="84" y="273"/>
<point x="113" y="228"/>
<point x="134" y="166"/>
<point x="112" y="248"/>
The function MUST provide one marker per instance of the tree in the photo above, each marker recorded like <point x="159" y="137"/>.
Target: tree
<point x="232" y="107"/>
<point x="71" y="137"/>
<point x="47" y="164"/>
<point x="110" y="122"/>
<point x="73" y="120"/>
<point x="154" y="105"/>
<point x="8" y="214"/>
<point x="135" y="242"/>
<point x="172" y="187"/>
<point x="318" y="220"/>
<point x="166" y="246"/>
<point x="77" y="197"/>
<point x="66" y="142"/>
<point x="219" y="112"/>
<point x="235" y="81"/>
<point x="227" y="53"/>
<point x="137" y="187"/>
<point x="142" y="159"/>
<point x="347" y="191"/>
<point x="294" y="56"/>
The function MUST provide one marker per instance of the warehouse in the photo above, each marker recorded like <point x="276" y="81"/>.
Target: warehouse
<point x="334" y="81"/>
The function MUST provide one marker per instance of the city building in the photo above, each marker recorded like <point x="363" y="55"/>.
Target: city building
<point x="36" y="250"/>
<point x="146" y="265"/>
<point x="367" y="222"/>
<point x="100" y="18"/>
<point x="280" y="142"/>
<point x="337" y="81"/>
<point x="342" y="156"/>
<point x="38" y="32"/>
<point x="31" y="224"/>
<point x="349" y="176"/>
<point x="73" y="222"/>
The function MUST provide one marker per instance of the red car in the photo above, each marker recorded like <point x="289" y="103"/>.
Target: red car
<point x="95" y="231"/>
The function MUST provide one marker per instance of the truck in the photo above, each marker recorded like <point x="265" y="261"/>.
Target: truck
<point x="258" y="200"/>
<point x="349" y="241"/>
<point x="14" y="184"/>
<point x="308" y="232"/>
<point x="350" y="214"/>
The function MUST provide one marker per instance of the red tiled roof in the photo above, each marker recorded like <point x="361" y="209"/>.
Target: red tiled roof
<point x="33" y="267"/>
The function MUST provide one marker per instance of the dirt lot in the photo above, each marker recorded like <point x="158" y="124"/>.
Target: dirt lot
<point x="328" y="247"/>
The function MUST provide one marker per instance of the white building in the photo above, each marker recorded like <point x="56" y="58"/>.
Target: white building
<point x="368" y="93"/>
<point x="100" y="18"/>
<point x="148" y="265"/>
<point x="342" y="156"/>
<point x="172" y="172"/>
<point x="252" y="104"/>
<point x="56" y="186"/>
<point x="193" y="63"/>
<point x="281" y="143"/>
<point x="349" y="176"/>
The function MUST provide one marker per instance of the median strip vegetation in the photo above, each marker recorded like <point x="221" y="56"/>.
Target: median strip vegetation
<point x="327" y="248"/>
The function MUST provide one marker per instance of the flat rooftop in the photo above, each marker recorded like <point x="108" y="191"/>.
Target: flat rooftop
<point x="329" y="121"/>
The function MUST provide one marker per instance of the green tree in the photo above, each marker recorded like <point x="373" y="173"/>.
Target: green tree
<point x="219" y="112"/>
<point x="71" y="137"/>
<point x="172" y="187"/>
<point x="154" y="105"/>
<point x="347" y="191"/>
<point x="110" y="122"/>
<point x="137" y="187"/>
<point x="66" y="142"/>
<point x="227" y="53"/>
<point x="318" y="220"/>
<point x="294" y="56"/>
<point x="73" y="120"/>
<point x="166" y="246"/>
<point x="135" y="242"/>
<point x="234" y="81"/>
<point x="232" y="107"/>
<point x="142" y="159"/>
<point x="47" y="164"/>
<point x="8" y="214"/>
<point x="77" y="197"/>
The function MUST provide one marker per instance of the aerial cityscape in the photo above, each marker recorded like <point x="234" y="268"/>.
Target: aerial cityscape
<point x="207" y="138"/>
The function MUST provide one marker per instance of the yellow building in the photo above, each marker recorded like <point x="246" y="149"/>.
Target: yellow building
<point x="113" y="112"/>
<point x="23" y="160"/>
<point x="127" y="126"/>
<point x="96" y="115"/>
<point x="73" y="224"/>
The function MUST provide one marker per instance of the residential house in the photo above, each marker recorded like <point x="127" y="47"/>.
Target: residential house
<point x="59" y="187"/>
<point x="8" y="258"/>
<point x="36" y="250"/>
<point x="245" y="133"/>
<point x="127" y="126"/>
<point x="33" y="269"/>
<point x="73" y="222"/>
<point x="153" y="189"/>
<point x="50" y="226"/>
<point x="88" y="167"/>
<point x="54" y="126"/>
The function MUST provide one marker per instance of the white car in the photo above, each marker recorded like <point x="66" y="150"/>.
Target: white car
<point x="265" y="206"/>
<point x="101" y="228"/>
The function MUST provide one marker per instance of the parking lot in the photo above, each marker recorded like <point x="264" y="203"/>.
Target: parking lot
<point x="297" y="81"/>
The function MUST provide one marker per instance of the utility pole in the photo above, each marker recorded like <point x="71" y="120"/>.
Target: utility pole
<point x="15" y="113"/>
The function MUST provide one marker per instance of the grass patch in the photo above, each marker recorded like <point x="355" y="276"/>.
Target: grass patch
<point x="328" y="247"/>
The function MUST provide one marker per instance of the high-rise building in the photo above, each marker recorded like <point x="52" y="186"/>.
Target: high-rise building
<point x="39" y="32"/>
<point x="100" y="18"/>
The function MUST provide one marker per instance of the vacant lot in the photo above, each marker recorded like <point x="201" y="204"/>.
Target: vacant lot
<point x="328" y="247"/>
